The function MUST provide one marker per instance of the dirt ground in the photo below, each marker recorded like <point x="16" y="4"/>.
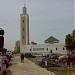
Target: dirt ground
<point x="26" y="68"/>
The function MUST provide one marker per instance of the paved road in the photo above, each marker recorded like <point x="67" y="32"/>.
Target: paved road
<point x="26" y="68"/>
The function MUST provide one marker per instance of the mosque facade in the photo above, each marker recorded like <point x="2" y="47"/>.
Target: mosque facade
<point x="36" y="48"/>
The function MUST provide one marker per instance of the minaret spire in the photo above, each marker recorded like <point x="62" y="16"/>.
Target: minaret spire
<point x="24" y="8"/>
<point x="25" y="4"/>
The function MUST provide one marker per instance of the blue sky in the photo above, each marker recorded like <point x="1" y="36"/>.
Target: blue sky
<point x="46" y="18"/>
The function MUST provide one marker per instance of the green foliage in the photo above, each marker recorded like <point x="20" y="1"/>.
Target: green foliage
<point x="70" y="41"/>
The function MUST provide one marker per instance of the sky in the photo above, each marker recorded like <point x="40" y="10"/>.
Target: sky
<point x="46" y="18"/>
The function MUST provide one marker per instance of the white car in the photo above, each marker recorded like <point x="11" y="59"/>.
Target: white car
<point x="63" y="58"/>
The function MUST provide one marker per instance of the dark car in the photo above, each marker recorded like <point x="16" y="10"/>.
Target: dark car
<point x="42" y="61"/>
<point x="53" y="61"/>
<point x="53" y="56"/>
<point x="29" y="55"/>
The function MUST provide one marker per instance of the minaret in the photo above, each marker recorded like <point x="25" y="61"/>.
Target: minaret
<point x="24" y="25"/>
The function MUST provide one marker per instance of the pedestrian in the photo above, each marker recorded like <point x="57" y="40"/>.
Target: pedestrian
<point x="0" y="64"/>
<point x="22" y="57"/>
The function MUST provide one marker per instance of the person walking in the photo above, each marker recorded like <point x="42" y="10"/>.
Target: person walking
<point x="0" y="64"/>
<point x="22" y="57"/>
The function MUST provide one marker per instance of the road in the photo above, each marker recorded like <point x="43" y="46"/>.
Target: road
<point x="26" y="68"/>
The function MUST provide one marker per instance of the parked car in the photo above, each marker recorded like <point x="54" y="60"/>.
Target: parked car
<point x="53" y="56"/>
<point x="29" y="55"/>
<point x="63" y="58"/>
<point x="53" y="60"/>
<point x="42" y="61"/>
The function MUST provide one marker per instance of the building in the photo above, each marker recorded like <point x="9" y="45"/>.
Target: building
<point x="24" y="25"/>
<point x="58" y="48"/>
<point x="51" y="40"/>
<point x="17" y="46"/>
<point x="51" y="45"/>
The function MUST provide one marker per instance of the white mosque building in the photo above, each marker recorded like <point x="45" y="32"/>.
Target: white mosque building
<point x="51" y="45"/>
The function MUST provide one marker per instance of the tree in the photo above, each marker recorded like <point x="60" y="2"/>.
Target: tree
<point x="70" y="41"/>
<point x="73" y="39"/>
<point x="70" y="46"/>
<point x="17" y="46"/>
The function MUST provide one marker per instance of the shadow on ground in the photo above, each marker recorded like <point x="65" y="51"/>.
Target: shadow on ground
<point x="9" y="72"/>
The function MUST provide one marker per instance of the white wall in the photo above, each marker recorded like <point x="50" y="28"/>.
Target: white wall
<point x="59" y="48"/>
<point x="44" y="48"/>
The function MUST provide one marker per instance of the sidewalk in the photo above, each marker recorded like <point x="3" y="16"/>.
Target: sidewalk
<point x="27" y="68"/>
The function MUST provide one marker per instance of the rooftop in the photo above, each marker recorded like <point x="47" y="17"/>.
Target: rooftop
<point x="52" y="40"/>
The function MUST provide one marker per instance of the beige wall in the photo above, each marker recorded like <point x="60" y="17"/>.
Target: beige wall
<point x="24" y="18"/>
<point x="23" y="29"/>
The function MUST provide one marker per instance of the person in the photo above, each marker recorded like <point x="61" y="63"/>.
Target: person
<point x="22" y="57"/>
<point x="0" y="63"/>
<point x="4" y="71"/>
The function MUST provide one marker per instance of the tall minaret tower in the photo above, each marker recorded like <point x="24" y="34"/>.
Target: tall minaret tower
<point x="24" y="25"/>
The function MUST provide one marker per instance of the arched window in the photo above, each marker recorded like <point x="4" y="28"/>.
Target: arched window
<point x="30" y="49"/>
<point x="23" y="29"/>
<point x="50" y="51"/>
<point x="63" y="48"/>
<point x="23" y="37"/>
<point x="23" y="21"/>
<point x="56" y="48"/>
<point x="47" y="49"/>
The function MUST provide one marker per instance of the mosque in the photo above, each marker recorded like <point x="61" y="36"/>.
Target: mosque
<point x="51" y="45"/>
